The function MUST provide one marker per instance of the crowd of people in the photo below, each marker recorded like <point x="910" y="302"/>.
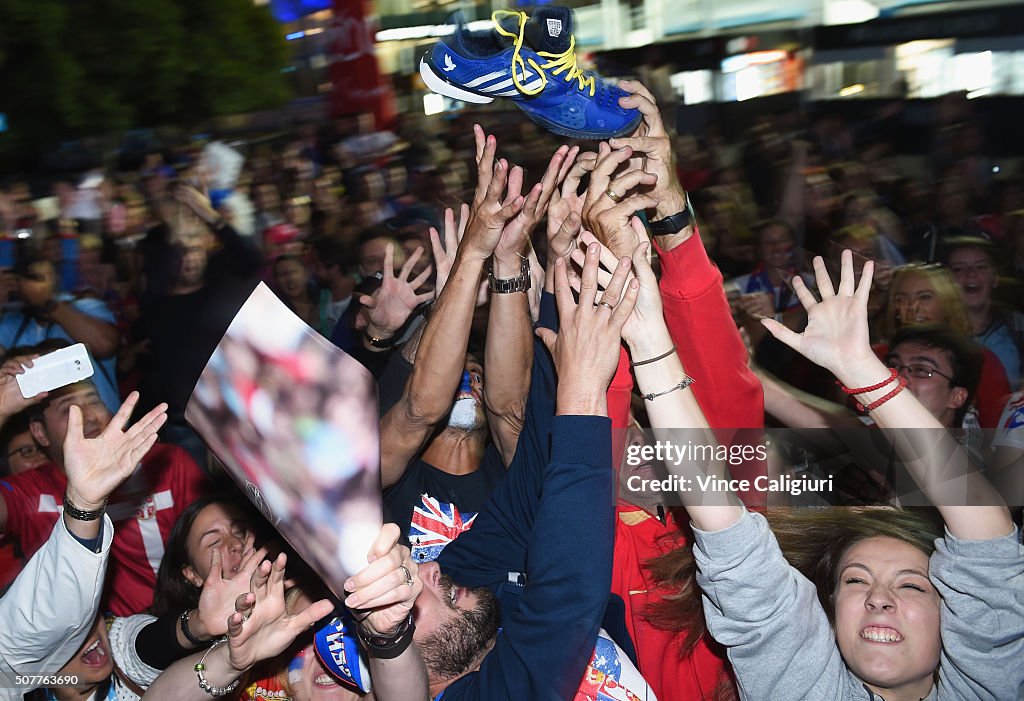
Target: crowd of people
<point x="529" y="309"/>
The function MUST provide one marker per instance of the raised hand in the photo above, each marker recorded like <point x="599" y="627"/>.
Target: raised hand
<point x="652" y="141"/>
<point x="383" y="592"/>
<point x="515" y="238"/>
<point x="648" y="315"/>
<point x="444" y="254"/>
<point x="586" y="349"/>
<point x="836" y="336"/>
<point x="11" y="401"/>
<point x="390" y="306"/>
<point x="261" y="626"/>
<point x="197" y="202"/>
<point x="610" y="202"/>
<point x="95" y="467"/>
<point x="219" y="595"/>
<point x="492" y="206"/>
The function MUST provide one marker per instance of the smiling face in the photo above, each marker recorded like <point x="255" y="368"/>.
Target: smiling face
<point x="887" y="617"/>
<point x="53" y="428"/>
<point x="292" y="278"/>
<point x="916" y="301"/>
<point x="776" y="246"/>
<point x="455" y="626"/>
<point x="975" y="273"/>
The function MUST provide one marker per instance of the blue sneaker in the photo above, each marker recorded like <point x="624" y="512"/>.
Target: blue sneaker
<point x="531" y="61"/>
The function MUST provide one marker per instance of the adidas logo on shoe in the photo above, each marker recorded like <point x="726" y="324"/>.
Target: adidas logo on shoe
<point x="532" y="62"/>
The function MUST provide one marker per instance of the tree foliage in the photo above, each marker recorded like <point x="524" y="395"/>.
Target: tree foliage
<point x="75" y="69"/>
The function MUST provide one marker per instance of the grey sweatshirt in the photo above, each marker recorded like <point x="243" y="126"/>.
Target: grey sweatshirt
<point x="782" y="646"/>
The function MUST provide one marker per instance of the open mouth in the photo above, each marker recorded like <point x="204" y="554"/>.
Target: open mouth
<point x="94" y="655"/>
<point x="324" y="680"/>
<point x="878" y="634"/>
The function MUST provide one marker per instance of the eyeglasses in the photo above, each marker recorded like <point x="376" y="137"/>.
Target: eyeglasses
<point x="921" y="372"/>
<point x="27" y="452"/>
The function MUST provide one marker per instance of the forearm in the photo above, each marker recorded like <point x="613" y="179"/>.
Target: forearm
<point x="403" y="678"/>
<point x="163" y="642"/>
<point x="798" y="409"/>
<point x="678" y="409"/>
<point x="100" y="336"/>
<point x="933" y="457"/>
<point x="180" y="682"/>
<point x="441" y="354"/>
<point x="51" y="606"/>
<point x="508" y="356"/>
<point x="699" y="319"/>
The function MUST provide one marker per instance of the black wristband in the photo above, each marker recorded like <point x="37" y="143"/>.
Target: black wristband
<point x="80" y="515"/>
<point x="675" y="223"/>
<point x="388" y="647"/>
<point x="188" y="633"/>
<point x="380" y="342"/>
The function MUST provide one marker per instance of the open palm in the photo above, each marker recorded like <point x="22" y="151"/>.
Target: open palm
<point x="95" y="467"/>
<point x="262" y="626"/>
<point x="394" y="301"/>
<point x="837" y="326"/>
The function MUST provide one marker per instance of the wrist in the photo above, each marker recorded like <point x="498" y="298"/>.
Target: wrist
<point x="650" y="339"/>
<point x="506" y="264"/>
<point x="575" y="400"/>
<point x="862" y="372"/>
<point x="671" y="201"/>
<point x="194" y="624"/>
<point x="82" y="503"/>
<point x="379" y="332"/>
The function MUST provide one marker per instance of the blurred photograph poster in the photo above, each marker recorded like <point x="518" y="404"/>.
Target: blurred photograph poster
<point x="294" y="420"/>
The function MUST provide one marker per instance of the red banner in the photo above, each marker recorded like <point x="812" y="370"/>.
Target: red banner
<point x="358" y="84"/>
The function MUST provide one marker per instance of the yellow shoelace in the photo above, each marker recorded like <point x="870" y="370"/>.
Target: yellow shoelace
<point x="558" y="63"/>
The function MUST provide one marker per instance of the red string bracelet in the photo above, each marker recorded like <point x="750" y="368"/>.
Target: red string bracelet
<point x="879" y="402"/>
<point x="893" y="372"/>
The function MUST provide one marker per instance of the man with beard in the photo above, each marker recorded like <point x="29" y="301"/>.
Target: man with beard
<point x="551" y="519"/>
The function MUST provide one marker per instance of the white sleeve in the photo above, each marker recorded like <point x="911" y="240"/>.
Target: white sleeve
<point x="50" y="608"/>
<point x="123" y="634"/>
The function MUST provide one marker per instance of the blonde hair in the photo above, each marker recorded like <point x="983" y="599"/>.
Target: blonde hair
<point x="946" y="290"/>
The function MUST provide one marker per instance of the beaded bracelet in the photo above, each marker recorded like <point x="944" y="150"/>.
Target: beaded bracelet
<point x="204" y="684"/>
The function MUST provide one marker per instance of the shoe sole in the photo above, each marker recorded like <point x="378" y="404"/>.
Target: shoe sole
<point x="442" y="86"/>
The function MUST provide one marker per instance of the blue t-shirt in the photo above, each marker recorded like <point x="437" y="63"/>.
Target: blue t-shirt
<point x="18" y="330"/>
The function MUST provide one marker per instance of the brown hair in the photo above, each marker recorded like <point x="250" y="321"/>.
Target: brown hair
<point x="812" y="541"/>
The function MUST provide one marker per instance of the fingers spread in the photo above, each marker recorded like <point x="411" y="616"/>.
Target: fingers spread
<point x="120" y="419"/>
<point x="821" y="275"/>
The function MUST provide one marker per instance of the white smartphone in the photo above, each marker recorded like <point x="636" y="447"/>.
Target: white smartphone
<point x="58" y="369"/>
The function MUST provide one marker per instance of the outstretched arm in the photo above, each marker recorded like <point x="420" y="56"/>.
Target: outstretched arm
<point x="508" y="353"/>
<point x="260" y="628"/>
<point x="441" y="353"/>
<point x="837" y="338"/>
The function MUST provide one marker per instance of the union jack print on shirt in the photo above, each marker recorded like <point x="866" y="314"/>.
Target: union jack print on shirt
<point x="434" y="525"/>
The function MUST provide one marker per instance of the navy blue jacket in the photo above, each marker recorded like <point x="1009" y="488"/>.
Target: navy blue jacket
<point x="553" y="520"/>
